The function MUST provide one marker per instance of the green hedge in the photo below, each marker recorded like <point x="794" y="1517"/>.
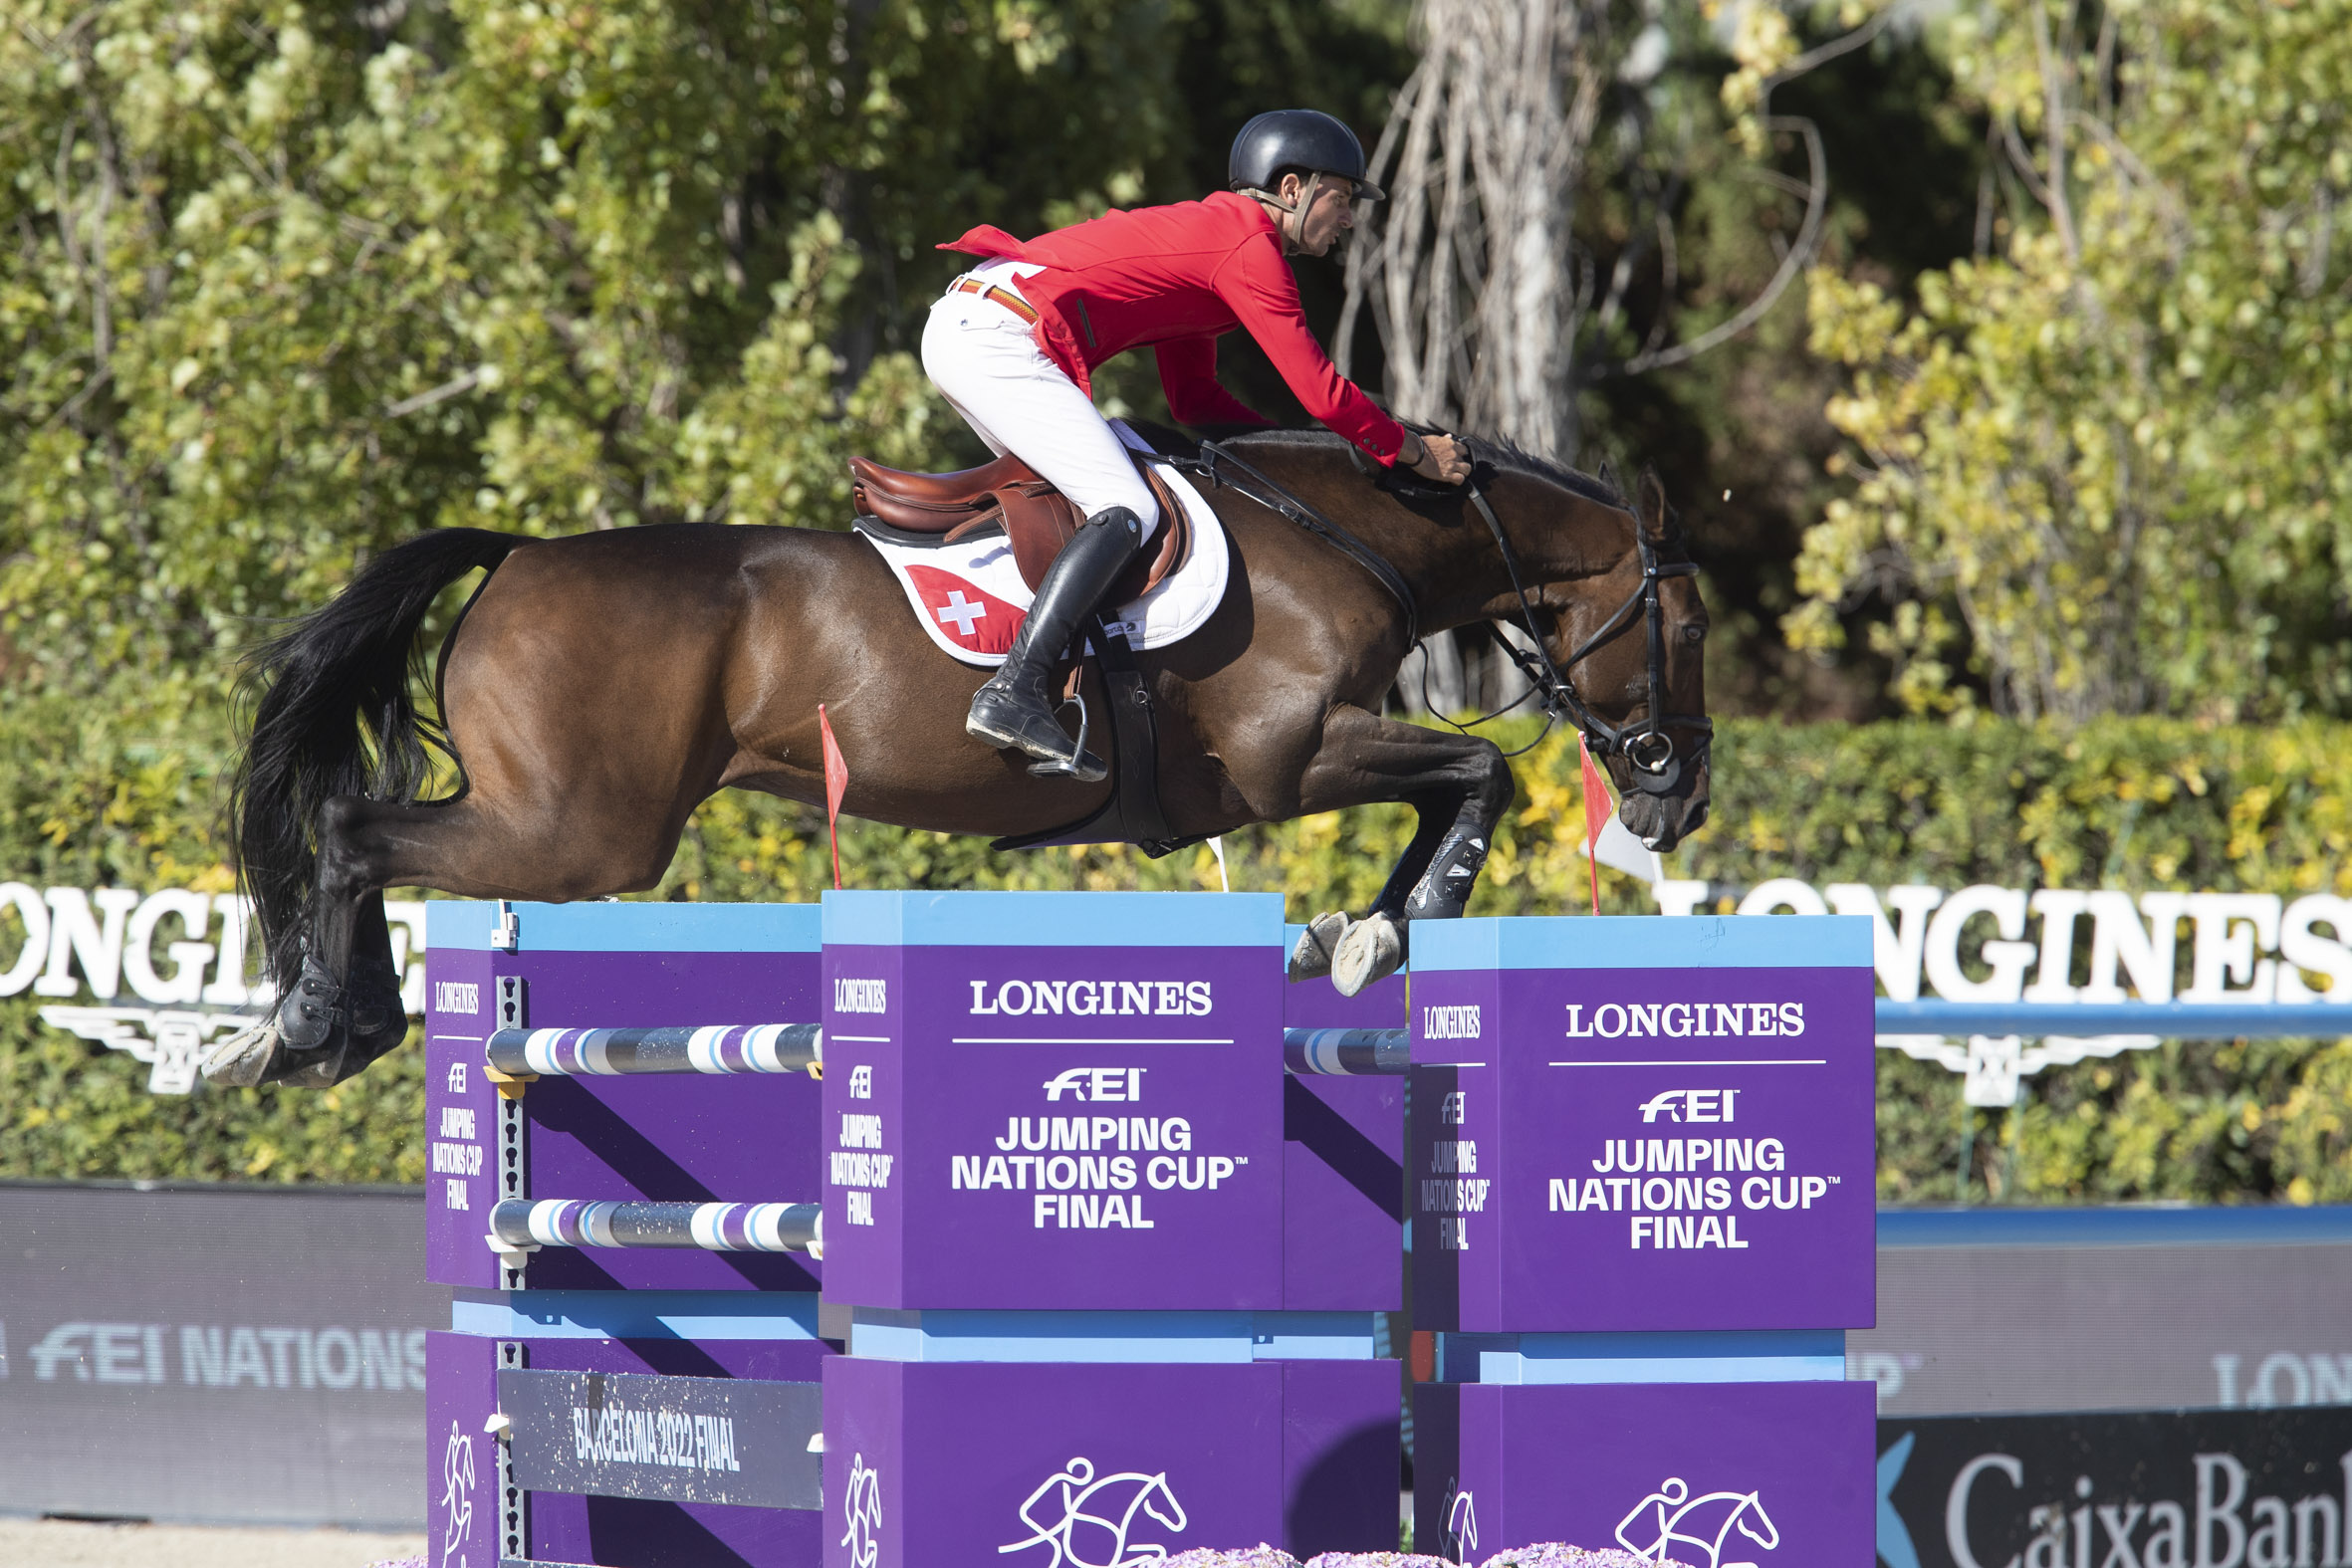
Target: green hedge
<point x="2133" y="804"/>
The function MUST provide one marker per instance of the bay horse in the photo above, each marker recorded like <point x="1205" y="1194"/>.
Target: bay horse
<point x="599" y="686"/>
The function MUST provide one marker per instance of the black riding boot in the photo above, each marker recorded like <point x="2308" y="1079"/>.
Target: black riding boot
<point x="1014" y="708"/>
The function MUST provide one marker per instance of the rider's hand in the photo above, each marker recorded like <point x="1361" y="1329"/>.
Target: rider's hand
<point x="1443" y="458"/>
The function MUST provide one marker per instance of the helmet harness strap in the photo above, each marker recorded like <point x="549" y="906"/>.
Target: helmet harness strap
<point x="1293" y="224"/>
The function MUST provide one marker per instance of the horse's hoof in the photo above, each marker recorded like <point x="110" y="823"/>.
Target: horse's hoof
<point x="243" y="1059"/>
<point x="1372" y="951"/>
<point x="322" y="1070"/>
<point x="1310" y="959"/>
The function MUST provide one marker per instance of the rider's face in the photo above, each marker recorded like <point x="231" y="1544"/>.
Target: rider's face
<point x="1332" y="213"/>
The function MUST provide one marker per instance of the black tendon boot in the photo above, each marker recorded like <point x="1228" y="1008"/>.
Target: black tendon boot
<point x="1015" y="709"/>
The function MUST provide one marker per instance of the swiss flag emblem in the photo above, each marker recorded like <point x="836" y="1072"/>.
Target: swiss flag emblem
<point x="968" y="617"/>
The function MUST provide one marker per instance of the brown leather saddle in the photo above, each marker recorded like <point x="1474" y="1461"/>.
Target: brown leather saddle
<point x="1037" y="517"/>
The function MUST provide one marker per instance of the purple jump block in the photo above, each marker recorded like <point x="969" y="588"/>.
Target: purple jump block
<point x="690" y="1138"/>
<point x="1054" y="1101"/>
<point x="1643" y="1124"/>
<point x="465" y="1514"/>
<point x="1713" y="1474"/>
<point x="1343" y="1177"/>
<point x="1035" y="1465"/>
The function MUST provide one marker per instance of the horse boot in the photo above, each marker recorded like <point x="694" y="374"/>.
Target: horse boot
<point x="1014" y="709"/>
<point x="303" y="1023"/>
<point x="372" y="1020"/>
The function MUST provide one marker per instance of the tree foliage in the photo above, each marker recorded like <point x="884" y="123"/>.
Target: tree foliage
<point x="291" y="281"/>
<point x="2104" y="466"/>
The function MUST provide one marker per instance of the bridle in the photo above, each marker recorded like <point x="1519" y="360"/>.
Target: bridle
<point x="1652" y="755"/>
<point x="1648" y="747"/>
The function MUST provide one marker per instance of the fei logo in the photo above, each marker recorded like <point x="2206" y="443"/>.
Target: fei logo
<point x="864" y="1505"/>
<point x="457" y="1496"/>
<point x="1095" y="1083"/>
<point x="1083" y="1538"/>
<point x="1671" y="1519"/>
<point x="1690" y="1105"/>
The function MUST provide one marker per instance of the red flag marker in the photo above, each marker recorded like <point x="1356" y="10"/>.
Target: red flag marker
<point x="1596" y="816"/>
<point x="836" y="784"/>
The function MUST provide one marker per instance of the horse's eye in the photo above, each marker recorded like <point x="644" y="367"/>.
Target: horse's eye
<point x="1693" y="633"/>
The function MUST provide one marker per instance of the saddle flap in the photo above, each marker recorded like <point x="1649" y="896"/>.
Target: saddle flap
<point x="1041" y="523"/>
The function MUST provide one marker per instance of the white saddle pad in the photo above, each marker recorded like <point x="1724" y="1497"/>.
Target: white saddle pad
<point x="970" y="597"/>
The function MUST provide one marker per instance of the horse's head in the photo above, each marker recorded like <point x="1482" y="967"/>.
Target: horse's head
<point x="1753" y="1516"/>
<point x="1154" y="1495"/>
<point x="1629" y="642"/>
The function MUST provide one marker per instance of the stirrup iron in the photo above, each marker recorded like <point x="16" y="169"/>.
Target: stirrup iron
<point x="1072" y="766"/>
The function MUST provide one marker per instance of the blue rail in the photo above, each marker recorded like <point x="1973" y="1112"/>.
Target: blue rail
<point x="2124" y="1225"/>
<point x="2185" y="1020"/>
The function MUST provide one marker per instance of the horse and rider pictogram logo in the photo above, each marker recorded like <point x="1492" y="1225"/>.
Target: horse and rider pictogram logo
<point x="1671" y="1522"/>
<point x="862" y="1503"/>
<point x="1086" y="1533"/>
<point x="457" y="1497"/>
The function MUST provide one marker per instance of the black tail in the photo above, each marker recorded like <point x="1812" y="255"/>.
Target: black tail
<point x="335" y="716"/>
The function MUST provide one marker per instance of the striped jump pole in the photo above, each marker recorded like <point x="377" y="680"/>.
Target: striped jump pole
<point x="519" y="1224"/>
<point x="714" y="1049"/>
<point x="1346" y="1052"/>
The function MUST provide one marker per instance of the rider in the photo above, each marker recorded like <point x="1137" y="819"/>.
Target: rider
<point x="1012" y="342"/>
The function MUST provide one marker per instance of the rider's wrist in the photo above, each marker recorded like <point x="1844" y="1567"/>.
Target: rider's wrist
<point x="1413" y="451"/>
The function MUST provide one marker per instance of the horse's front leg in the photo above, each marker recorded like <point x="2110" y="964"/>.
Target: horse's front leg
<point x="1460" y="786"/>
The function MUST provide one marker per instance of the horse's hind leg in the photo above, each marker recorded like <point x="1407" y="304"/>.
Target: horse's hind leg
<point x="344" y="1010"/>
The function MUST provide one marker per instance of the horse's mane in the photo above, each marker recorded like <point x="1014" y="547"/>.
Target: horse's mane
<point x="1503" y="456"/>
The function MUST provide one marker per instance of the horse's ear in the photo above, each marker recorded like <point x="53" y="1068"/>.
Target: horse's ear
<point x="1609" y="480"/>
<point x="1657" y="518"/>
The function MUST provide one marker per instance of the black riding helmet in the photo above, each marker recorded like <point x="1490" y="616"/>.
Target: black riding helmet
<point x="1296" y="138"/>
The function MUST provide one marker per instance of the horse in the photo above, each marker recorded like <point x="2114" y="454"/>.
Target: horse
<point x="597" y="687"/>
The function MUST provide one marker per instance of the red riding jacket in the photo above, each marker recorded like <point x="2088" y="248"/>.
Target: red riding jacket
<point x="1178" y="278"/>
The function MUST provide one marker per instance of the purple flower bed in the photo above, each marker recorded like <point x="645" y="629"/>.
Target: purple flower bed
<point x="1558" y="1554"/>
<point x="1546" y="1554"/>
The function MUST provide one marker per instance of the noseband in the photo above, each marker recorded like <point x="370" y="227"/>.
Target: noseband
<point x="1649" y="749"/>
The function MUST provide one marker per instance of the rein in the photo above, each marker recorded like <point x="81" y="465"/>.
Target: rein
<point x="1275" y="499"/>
<point x="1648" y="747"/>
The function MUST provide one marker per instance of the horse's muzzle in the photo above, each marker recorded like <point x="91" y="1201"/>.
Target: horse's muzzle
<point x="1662" y="821"/>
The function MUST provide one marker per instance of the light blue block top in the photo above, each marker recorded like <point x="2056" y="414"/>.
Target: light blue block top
<point x="1055" y="920"/>
<point x="629" y="928"/>
<point x="1768" y="1356"/>
<point x="1642" y="942"/>
<point x="635" y="1314"/>
<point x="1203" y="1338"/>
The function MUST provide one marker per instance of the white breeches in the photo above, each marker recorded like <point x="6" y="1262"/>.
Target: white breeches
<point x="983" y="360"/>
